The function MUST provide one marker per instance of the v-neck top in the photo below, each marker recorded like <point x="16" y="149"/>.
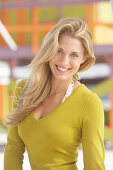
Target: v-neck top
<point x="52" y="141"/>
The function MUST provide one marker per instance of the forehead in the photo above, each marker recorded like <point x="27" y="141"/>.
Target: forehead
<point x="70" y="44"/>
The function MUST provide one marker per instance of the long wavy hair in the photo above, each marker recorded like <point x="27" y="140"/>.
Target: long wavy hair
<point x="38" y="85"/>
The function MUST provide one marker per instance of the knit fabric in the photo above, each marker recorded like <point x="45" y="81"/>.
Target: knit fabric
<point x="52" y="141"/>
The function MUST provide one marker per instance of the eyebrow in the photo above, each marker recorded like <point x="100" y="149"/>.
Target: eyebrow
<point x="71" y="52"/>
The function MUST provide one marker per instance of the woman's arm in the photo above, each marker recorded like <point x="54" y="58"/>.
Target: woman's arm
<point x="14" y="149"/>
<point x="92" y="134"/>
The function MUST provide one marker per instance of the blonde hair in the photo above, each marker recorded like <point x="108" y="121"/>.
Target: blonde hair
<point x="37" y="87"/>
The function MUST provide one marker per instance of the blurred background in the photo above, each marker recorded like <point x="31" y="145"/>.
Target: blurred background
<point x="23" y="25"/>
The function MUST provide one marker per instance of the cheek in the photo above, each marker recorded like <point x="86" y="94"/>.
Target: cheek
<point x="76" y="63"/>
<point x="51" y="62"/>
<point x="53" y="59"/>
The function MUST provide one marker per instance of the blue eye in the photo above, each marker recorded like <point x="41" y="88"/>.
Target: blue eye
<point x="74" y="55"/>
<point x="59" y="51"/>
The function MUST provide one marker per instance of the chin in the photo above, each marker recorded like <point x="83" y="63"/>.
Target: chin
<point x="62" y="78"/>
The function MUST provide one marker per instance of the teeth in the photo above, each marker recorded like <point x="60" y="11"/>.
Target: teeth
<point x="62" y="69"/>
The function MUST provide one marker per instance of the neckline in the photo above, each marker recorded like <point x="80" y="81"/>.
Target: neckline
<point x="65" y="101"/>
<point x="69" y="90"/>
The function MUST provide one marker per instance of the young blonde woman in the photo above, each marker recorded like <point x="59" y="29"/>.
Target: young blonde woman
<point x="53" y="113"/>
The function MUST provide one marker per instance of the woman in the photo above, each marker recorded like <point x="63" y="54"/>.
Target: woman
<point x="53" y="112"/>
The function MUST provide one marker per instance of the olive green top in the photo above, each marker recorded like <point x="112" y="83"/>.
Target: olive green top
<point x="52" y="141"/>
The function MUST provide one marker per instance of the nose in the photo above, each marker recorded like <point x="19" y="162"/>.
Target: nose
<point x="65" y="60"/>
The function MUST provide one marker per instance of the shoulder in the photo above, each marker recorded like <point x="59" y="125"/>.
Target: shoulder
<point x="90" y="100"/>
<point x="93" y="108"/>
<point x="93" y="100"/>
<point x="20" y="85"/>
<point x="83" y="90"/>
<point x="91" y="96"/>
<point x="86" y="96"/>
<point x="18" y="90"/>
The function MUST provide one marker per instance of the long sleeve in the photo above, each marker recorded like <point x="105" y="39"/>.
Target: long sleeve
<point x="15" y="148"/>
<point x="92" y="134"/>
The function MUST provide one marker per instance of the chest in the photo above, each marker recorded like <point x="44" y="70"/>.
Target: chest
<point x="62" y="127"/>
<point x="58" y="127"/>
<point x="50" y="104"/>
<point x="47" y="107"/>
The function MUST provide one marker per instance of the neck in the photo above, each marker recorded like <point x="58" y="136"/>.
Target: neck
<point x="59" y="86"/>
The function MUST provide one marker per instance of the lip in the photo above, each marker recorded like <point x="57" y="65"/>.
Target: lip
<point x="61" y="70"/>
<point x="62" y="67"/>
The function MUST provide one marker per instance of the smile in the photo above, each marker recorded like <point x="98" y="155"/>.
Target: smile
<point x="61" y="69"/>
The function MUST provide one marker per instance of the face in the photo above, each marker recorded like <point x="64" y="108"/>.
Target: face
<point x="66" y="62"/>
